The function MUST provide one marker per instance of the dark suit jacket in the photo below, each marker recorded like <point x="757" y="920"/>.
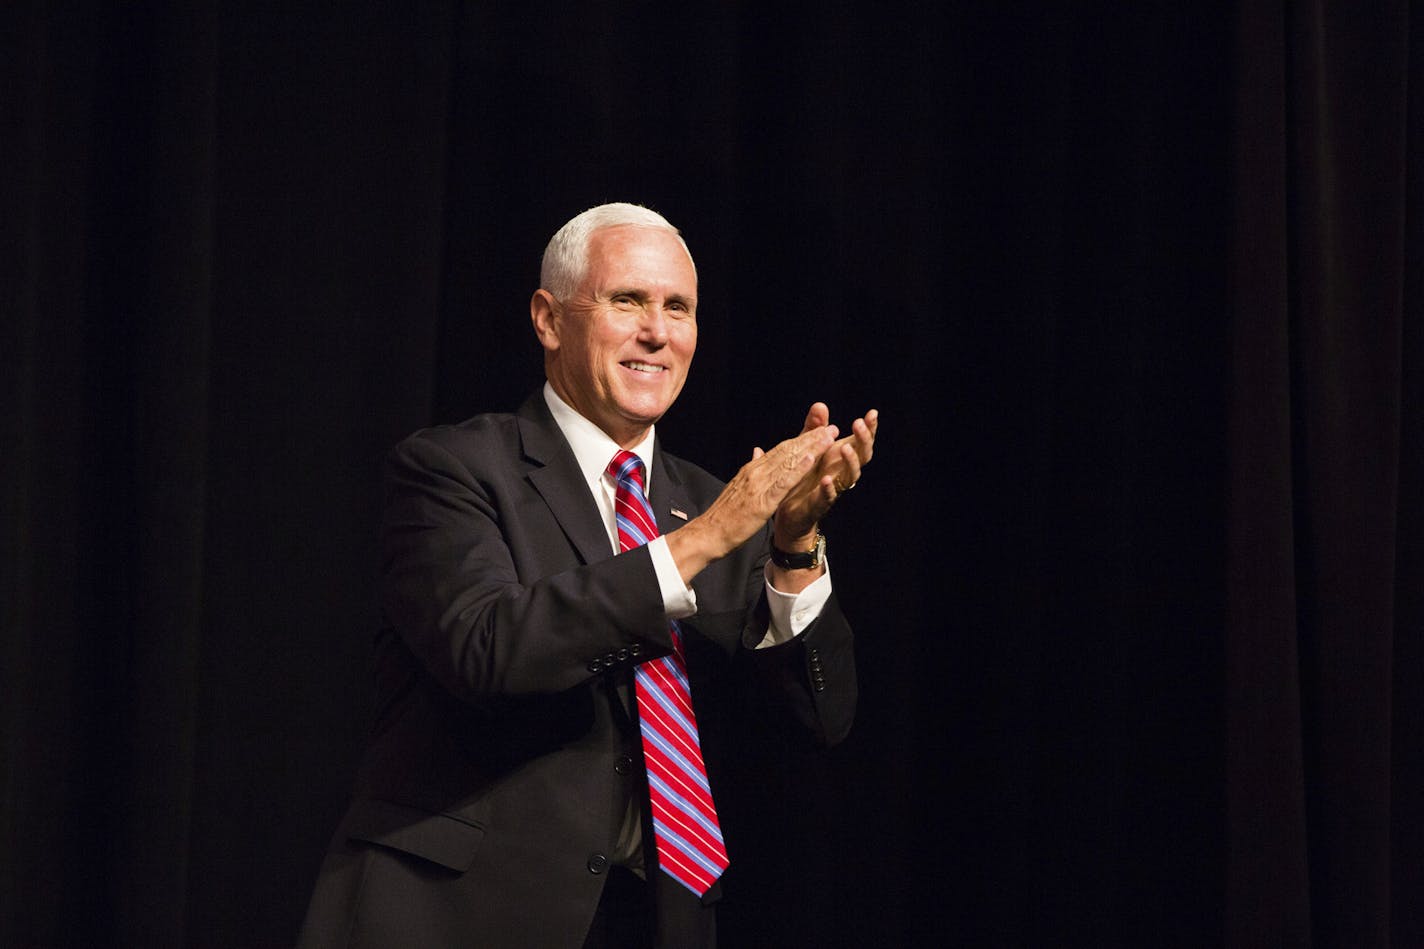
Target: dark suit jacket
<point x="504" y="754"/>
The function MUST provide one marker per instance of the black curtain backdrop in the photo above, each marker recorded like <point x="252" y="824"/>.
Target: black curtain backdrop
<point x="1138" y="571"/>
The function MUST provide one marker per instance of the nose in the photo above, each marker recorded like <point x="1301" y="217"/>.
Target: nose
<point x="653" y="328"/>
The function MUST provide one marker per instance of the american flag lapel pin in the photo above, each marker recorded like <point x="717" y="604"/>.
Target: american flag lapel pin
<point x="679" y="514"/>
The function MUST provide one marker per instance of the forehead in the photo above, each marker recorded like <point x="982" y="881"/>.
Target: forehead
<point x="643" y="255"/>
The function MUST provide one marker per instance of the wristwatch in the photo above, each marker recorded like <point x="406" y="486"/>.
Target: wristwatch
<point x="806" y="560"/>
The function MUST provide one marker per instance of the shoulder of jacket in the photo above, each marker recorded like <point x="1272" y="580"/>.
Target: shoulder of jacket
<point x="480" y="437"/>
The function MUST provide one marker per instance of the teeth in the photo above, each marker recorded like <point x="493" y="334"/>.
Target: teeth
<point x="643" y="367"/>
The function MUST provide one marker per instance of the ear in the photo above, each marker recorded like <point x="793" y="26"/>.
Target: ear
<point x="544" y="314"/>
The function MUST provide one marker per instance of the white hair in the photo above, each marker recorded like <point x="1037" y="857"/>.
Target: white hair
<point x="566" y="257"/>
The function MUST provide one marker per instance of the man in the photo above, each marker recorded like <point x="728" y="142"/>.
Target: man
<point x="555" y="585"/>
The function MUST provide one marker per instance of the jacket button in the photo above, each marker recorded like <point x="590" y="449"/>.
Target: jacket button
<point x="595" y="665"/>
<point x="623" y="655"/>
<point x="597" y="863"/>
<point x="636" y="649"/>
<point x="624" y="765"/>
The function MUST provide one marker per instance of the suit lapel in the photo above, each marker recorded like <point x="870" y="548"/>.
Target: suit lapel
<point x="669" y="494"/>
<point x="560" y="482"/>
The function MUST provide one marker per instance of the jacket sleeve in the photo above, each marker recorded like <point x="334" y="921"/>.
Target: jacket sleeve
<point x="452" y="590"/>
<point x="813" y="675"/>
<point x="811" y="678"/>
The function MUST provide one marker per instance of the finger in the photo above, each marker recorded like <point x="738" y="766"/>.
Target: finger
<point x="861" y="443"/>
<point x="864" y="429"/>
<point x="806" y="450"/>
<point x="818" y="416"/>
<point x="864" y="438"/>
<point x="819" y="499"/>
<point x="815" y="440"/>
<point x="846" y="471"/>
<point x="850" y="474"/>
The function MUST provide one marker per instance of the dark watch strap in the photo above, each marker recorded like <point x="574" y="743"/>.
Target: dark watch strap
<point x="804" y="560"/>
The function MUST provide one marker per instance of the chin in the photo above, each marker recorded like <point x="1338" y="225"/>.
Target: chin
<point x="644" y="411"/>
<point x="642" y="417"/>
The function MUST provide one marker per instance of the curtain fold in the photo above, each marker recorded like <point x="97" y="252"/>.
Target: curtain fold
<point x="1319" y="514"/>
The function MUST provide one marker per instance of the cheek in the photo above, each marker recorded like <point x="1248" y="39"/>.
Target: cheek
<point x="598" y="349"/>
<point x="687" y="345"/>
<point x="607" y="341"/>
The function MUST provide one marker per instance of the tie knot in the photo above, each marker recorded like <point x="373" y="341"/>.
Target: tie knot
<point x="627" y="467"/>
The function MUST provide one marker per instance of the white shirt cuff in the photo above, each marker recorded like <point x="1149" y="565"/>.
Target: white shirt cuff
<point x="793" y="612"/>
<point x="679" y="602"/>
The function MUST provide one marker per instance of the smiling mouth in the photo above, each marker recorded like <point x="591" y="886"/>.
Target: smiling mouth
<point x="642" y="366"/>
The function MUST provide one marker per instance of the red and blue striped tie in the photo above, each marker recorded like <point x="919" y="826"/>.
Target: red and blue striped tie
<point x="689" y="839"/>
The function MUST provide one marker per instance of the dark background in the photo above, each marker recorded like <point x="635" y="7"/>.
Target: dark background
<point x="1137" y="573"/>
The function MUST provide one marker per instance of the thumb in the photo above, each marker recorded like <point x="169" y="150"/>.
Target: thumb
<point x="818" y="415"/>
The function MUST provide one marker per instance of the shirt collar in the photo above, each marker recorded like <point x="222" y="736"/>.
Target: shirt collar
<point x="593" y="449"/>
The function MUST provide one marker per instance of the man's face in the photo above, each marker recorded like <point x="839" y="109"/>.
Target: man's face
<point x="619" y="348"/>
